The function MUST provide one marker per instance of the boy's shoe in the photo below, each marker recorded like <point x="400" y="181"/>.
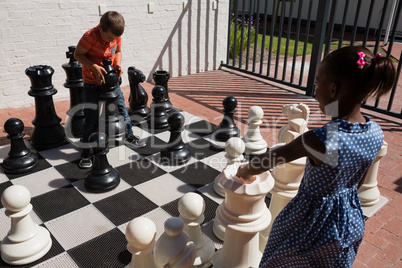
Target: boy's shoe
<point x="134" y="142"/>
<point x="85" y="162"/>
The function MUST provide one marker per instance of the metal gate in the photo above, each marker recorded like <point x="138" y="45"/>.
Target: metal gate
<point x="284" y="40"/>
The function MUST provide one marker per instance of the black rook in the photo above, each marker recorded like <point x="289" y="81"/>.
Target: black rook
<point x="161" y="78"/>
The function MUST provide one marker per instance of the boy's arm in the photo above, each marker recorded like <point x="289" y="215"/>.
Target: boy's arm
<point x="117" y="61"/>
<point x="307" y="144"/>
<point x="80" y="55"/>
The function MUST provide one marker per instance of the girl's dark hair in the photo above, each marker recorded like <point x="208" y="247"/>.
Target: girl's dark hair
<point x="112" y="21"/>
<point x="376" y="78"/>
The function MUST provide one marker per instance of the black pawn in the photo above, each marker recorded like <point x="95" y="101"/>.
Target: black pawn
<point x="20" y="159"/>
<point x="176" y="153"/>
<point x="227" y="128"/>
<point x="74" y="82"/>
<point x="48" y="132"/>
<point x="111" y="121"/>
<point x="159" y="118"/>
<point x="138" y="96"/>
<point x="102" y="177"/>
<point x="161" y="78"/>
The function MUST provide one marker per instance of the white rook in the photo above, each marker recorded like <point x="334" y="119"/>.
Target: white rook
<point x="26" y="241"/>
<point x="368" y="191"/>
<point x="140" y="235"/>
<point x="244" y="214"/>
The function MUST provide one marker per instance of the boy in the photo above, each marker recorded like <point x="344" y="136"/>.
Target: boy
<point x="98" y="43"/>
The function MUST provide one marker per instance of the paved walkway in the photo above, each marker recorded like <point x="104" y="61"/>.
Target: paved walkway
<point x="202" y="94"/>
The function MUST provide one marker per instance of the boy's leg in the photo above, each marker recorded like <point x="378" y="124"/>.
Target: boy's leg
<point x="121" y="105"/>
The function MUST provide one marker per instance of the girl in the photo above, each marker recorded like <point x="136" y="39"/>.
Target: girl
<point x="323" y="225"/>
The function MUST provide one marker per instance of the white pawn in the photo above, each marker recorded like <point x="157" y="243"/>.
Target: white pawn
<point x="191" y="208"/>
<point x="173" y="249"/>
<point x="26" y="241"/>
<point x="234" y="148"/>
<point x="255" y="144"/>
<point x="140" y="235"/>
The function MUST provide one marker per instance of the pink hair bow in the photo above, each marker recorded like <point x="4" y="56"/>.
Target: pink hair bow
<point x="377" y="56"/>
<point x="360" y="62"/>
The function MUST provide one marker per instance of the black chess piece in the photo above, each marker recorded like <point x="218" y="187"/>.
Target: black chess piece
<point x="75" y="121"/>
<point x="20" y="159"/>
<point x="111" y="122"/>
<point x="48" y="132"/>
<point x="159" y="117"/>
<point x="227" y="128"/>
<point x="138" y="99"/>
<point x="102" y="177"/>
<point x="176" y="153"/>
<point x="161" y="78"/>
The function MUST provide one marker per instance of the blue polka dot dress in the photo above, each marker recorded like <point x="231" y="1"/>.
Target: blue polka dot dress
<point x="323" y="225"/>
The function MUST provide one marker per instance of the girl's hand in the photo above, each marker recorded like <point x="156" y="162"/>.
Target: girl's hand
<point x="242" y="173"/>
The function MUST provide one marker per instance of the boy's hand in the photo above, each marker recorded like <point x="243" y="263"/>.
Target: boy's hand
<point x="242" y="173"/>
<point x="99" y="71"/>
<point x="119" y="70"/>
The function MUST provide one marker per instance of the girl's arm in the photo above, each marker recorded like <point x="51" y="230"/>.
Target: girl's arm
<point x="307" y="144"/>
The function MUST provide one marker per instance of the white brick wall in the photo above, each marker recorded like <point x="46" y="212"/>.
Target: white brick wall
<point x="38" y="32"/>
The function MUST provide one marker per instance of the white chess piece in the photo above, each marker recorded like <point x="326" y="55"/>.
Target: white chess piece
<point x="293" y="111"/>
<point x="255" y="144"/>
<point x="234" y="148"/>
<point x="173" y="249"/>
<point x="191" y="208"/>
<point x="26" y="241"/>
<point x="243" y="214"/>
<point x="287" y="177"/>
<point x="140" y="235"/>
<point x="368" y="191"/>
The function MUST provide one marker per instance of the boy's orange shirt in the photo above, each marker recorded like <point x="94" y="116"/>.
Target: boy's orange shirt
<point x="98" y="50"/>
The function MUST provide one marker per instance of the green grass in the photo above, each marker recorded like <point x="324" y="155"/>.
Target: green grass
<point x="292" y="42"/>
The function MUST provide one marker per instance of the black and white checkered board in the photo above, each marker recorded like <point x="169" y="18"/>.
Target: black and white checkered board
<point x="88" y="229"/>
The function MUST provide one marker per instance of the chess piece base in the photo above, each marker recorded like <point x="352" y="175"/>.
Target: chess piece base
<point x="20" y="164"/>
<point x="102" y="183"/>
<point x="218" y="187"/>
<point x="175" y="158"/>
<point x="27" y="251"/>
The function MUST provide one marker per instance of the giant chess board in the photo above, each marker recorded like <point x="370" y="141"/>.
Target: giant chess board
<point x="88" y="229"/>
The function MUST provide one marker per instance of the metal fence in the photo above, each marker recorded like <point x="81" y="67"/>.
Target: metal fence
<point x="284" y="40"/>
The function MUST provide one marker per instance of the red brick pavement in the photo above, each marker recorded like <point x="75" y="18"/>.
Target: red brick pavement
<point x="202" y="94"/>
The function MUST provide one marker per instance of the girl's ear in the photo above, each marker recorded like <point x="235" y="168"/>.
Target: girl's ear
<point x="333" y="90"/>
